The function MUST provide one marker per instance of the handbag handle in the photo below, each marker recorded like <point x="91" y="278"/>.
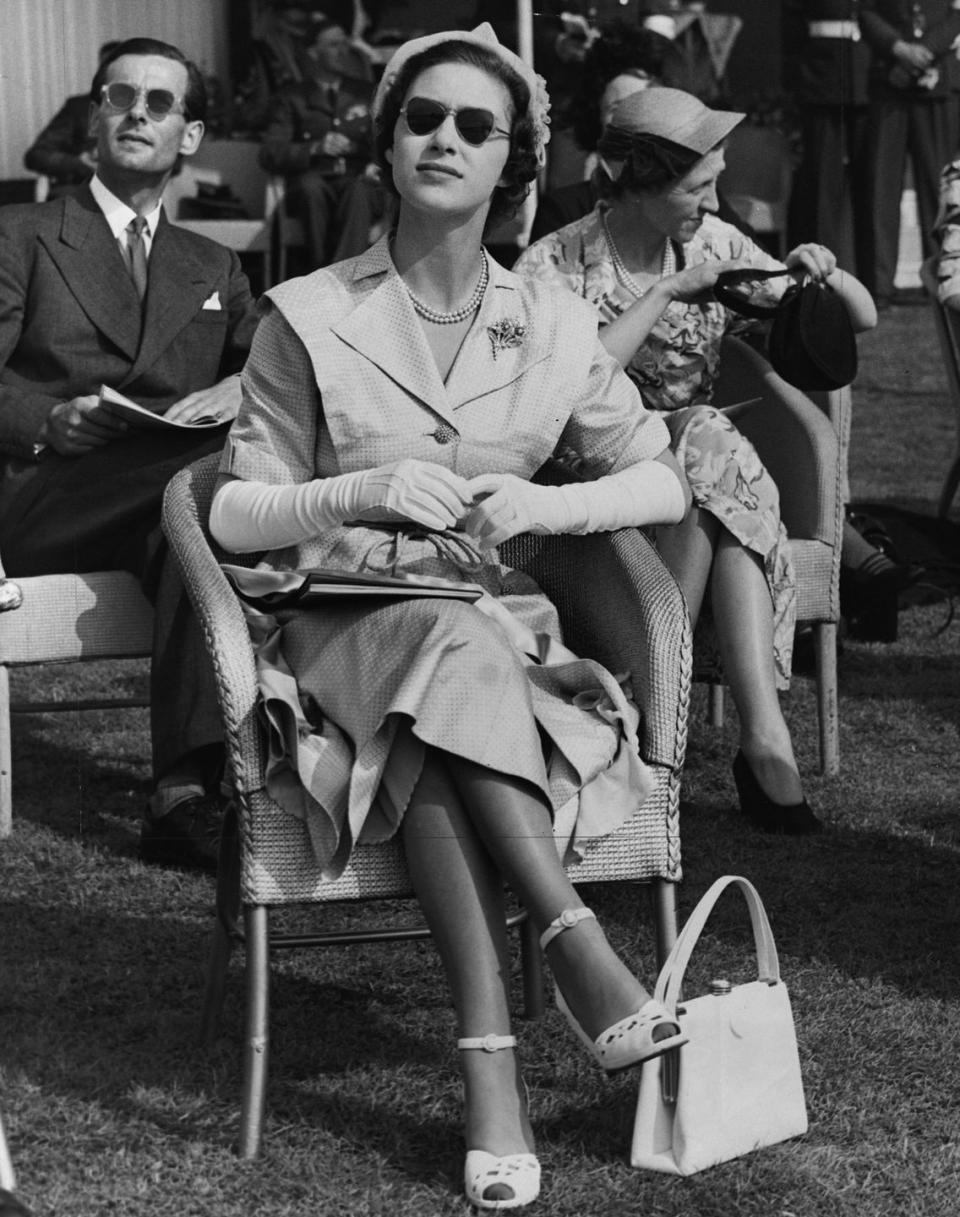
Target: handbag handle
<point x="670" y="980"/>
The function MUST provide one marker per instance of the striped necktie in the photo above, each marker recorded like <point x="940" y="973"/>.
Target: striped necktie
<point x="137" y="255"/>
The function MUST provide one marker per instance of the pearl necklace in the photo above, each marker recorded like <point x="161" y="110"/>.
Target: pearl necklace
<point x="461" y="314"/>
<point x="668" y="265"/>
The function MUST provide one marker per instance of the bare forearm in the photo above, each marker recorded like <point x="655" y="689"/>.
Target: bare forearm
<point x="858" y="301"/>
<point x="630" y="330"/>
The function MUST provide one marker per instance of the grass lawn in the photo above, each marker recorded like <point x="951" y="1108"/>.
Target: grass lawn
<point x="110" y="1107"/>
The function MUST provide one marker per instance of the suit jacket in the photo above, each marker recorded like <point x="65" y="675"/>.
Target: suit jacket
<point x="303" y="113"/>
<point x="883" y="22"/>
<point x="70" y="318"/>
<point x="56" y="150"/>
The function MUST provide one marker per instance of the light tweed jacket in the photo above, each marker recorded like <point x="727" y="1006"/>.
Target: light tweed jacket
<point x="341" y="378"/>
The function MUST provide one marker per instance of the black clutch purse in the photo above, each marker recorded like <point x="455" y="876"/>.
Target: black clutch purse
<point x="811" y="342"/>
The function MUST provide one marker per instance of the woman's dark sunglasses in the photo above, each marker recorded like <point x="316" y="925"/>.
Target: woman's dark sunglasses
<point x="120" y="98"/>
<point x="474" y="125"/>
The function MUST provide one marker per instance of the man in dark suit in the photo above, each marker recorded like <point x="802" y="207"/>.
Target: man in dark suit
<point x="915" y="109"/>
<point x="98" y="288"/>
<point x="827" y="66"/>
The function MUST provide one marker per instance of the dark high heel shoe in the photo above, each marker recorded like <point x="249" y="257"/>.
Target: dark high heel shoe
<point x="794" y="819"/>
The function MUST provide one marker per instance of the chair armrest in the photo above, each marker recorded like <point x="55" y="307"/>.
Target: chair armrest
<point x="186" y="505"/>
<point x="837" y="405"/>
<point x="619" y="604"/>
<point x="11" y="596"/>
<point x="795" y="441"/>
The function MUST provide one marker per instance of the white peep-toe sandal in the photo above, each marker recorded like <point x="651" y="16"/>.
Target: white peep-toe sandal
<point x="630" y="1041"/>
<point x="518" y="1172"/>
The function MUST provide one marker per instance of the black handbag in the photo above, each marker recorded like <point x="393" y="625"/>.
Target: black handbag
<point x="811" y="342"/>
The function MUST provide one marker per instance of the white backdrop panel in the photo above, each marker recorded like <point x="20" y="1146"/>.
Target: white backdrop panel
<point x="48" y="50"/>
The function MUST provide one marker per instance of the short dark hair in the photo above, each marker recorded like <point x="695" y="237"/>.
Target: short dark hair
<point x="522" y="164"/>
<point x="195" y="98"/>
<point x="650" y="162"/>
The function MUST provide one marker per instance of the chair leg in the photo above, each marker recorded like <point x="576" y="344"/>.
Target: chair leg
<point x="8" y="1179"/>
<point x="949" y="489"/>
<point x="216" y="983"/>
<point x="663" y="897"/>
<point x="256" y="1038"/>
<point x="6" y="772"/>
<point x="225" y="931"/>
<point x="825" y="648"/>
<point x="716" y="706"/>
<point x="532" y="964"/>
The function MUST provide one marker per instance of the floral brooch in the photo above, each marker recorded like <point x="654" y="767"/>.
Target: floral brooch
<point x="506" y="334"/>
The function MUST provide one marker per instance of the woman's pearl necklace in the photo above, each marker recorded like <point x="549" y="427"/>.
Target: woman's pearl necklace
<point x="668" y="265"/>
<point x="461" y="314"/>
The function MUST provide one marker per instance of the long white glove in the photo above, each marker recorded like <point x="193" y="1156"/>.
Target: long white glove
<point x="646" y="493"/>
<point x="249" y="516"/>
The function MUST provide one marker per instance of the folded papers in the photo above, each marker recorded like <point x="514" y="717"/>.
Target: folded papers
<point x="118" y="406"/>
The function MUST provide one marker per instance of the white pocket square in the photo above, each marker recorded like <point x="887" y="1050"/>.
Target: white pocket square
<point x="213" y="301"/>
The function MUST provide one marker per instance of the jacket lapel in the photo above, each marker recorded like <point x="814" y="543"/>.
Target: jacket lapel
<point x="503" y="344"/>
<point x="178" y="283"/>
<point x="384" y="329"/>
<point x="92" y="267"/>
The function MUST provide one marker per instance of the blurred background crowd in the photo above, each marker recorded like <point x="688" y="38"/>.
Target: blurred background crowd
<point x="853" y="112"/>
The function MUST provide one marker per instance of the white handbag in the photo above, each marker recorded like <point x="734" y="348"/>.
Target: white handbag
<point x="736" y="1085"/>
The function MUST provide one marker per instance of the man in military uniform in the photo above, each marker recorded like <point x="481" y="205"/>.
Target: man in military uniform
<point x="319" y="135"/>
<point x="827" y="70"/>
<point x="915" y="110"/>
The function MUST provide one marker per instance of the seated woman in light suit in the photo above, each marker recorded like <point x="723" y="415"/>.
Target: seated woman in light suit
<point x="395" y="408"/>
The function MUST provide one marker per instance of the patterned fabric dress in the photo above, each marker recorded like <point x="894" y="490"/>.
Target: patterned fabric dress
<point x="676" y="370"/>
<point x="341" y="379"/>
<point x="947" y="232"/>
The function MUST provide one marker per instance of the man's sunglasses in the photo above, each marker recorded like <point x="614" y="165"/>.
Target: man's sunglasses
<point x="474" y="125"/>
<point x="120" y="98"/>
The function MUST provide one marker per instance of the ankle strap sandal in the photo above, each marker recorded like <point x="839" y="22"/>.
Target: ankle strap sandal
<point x="564" y="921"/>
<point x="639" y="1037"/>
<point x="488" y="1043"/>
<point x="518" y="1174"/>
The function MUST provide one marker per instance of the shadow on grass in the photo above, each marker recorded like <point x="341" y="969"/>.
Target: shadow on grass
<point x="873" y="677"/>
<point x="872" y="905"/>
<point x="104" y="1009"/>
<point x="90" y="780"/>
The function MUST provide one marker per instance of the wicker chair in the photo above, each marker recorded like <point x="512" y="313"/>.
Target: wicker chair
<point x="803" y="445"/>
<point x="618" y="604"/>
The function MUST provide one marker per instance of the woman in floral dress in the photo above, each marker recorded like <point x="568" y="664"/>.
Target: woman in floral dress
<point x="395" y="407"/>
<point x="646" y="259"/>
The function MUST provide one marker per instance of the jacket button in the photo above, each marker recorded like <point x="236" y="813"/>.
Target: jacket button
<point x="444" y="433"/>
